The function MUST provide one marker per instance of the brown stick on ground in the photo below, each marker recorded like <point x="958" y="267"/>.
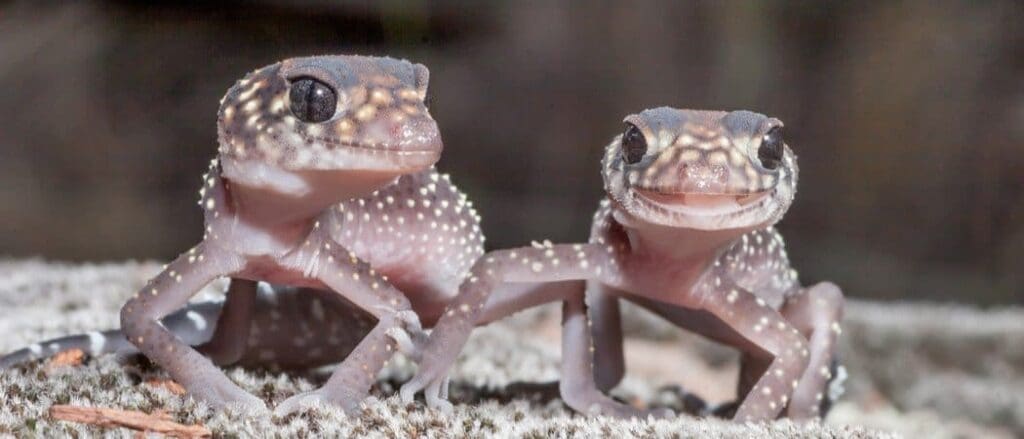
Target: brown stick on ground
<point x="127" y="418"/>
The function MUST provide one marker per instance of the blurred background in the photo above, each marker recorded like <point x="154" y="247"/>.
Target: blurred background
<point x="908" y="118"/>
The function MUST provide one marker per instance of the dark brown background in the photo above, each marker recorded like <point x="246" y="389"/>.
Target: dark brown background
<point x="908" y="118"/>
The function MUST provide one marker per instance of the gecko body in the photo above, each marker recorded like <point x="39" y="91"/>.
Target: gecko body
<point x="301" y="328"/>
<point x="324" y="181"/>
<point x="686" y="231"/>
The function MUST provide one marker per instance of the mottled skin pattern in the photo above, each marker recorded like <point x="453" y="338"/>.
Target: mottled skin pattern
<point x="320" y="159"/>
<point x="686" y="231"/>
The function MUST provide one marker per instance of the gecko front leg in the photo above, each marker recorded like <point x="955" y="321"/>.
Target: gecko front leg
<point x="768" y="338"/>
<point x="171" y="289"/>
<point x="816" y="313"/>
<point x="610" y="363"/>
<point x="347" y="275"/>
<point x="577" y="385"/>
<point x="539" y="264"/>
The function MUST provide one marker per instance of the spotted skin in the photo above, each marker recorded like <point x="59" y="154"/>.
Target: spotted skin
<point x="420" y="232"/>
<point x="302" y="198"/>
<point x="687" y="231"/>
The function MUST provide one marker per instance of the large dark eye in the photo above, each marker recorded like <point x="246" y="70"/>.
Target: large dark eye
<point x="634" y="146"/>
<point x="311" y="100"/>
<point x="771" y="149"/>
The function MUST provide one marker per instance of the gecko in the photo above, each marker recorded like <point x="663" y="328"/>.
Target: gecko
<point x="323" y="181"/>
<point x="685" y="230"/>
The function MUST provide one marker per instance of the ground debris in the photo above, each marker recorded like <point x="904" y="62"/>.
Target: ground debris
<point x="106" y="417"/>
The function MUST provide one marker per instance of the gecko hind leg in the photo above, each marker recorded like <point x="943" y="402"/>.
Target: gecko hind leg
<point x="231" y="333"/>
<point x="816" y="314"/>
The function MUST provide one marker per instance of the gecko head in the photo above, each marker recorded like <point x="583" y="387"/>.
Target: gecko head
<point x="708" y="170"/>
<point x="331" y="113"/>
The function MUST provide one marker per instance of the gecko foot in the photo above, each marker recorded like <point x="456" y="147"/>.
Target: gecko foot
<point x="220" y="392"/>
<point x="409" y="335"/>
<point x="320" y="397"/>
<point x="435" y="392"/>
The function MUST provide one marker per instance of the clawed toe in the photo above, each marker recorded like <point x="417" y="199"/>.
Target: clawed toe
<point x="435" y="393"/>
<point x="436" y="396"/>
<point x="298" y="403"/>
<point x="408" y="392"/>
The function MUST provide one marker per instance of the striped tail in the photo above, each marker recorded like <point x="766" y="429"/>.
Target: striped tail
<point x="194" y="324"/>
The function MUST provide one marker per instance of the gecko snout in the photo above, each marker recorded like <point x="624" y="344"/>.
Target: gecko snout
<point x="703" y="177"/>
<point x="416" y="134"/>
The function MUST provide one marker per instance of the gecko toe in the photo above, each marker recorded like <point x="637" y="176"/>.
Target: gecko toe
<point x="318" y="398"/>
<point x="220" y="392"/>
<point x="436" y="394"/>
<point x="403" y="340"/>
<point x="409" y="390"/>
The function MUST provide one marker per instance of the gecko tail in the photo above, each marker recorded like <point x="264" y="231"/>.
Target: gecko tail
<point x="93" y="343"/>
<point x="194" y="324"/>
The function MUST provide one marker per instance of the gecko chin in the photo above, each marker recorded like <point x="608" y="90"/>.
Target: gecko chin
<point x="704" y="211"/>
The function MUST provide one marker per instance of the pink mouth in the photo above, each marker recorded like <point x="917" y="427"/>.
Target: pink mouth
<point x="701" y="204"/>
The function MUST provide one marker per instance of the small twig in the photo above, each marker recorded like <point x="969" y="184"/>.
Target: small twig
<point x="135" y="420"/>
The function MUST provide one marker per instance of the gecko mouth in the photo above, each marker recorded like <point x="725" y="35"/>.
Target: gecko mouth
<point x="338" y="154"/>
<point x="701" y="204"/>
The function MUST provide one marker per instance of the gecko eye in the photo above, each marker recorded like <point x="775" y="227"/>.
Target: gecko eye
<point x="770" y="151"/>
<point x="634" y="146"/>
<point x="311" y="100"/>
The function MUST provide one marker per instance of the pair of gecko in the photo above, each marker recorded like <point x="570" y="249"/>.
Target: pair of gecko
<point x="324" y="182"/>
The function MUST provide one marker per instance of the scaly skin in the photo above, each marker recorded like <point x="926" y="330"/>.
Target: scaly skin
<point x="686" y="231"/>
<point x="319" y="159"/>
